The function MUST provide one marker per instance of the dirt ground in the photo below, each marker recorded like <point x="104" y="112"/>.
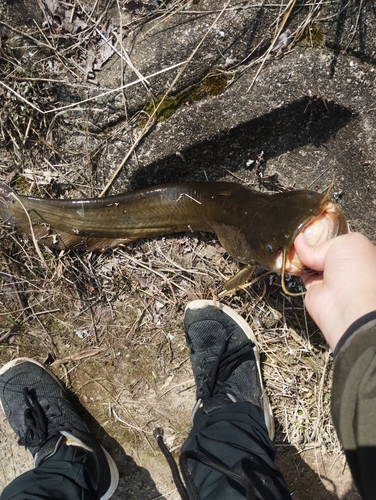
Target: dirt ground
<point x="110" y="325"/>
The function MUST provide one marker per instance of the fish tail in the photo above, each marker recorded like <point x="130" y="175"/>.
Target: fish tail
<point x="10" y="208"/>
<point x="16" y="212"/>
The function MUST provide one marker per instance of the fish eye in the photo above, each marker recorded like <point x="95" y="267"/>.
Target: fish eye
<point x="269" y="249"/>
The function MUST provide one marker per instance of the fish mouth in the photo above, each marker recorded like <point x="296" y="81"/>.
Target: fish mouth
<point x="329" y="224"/>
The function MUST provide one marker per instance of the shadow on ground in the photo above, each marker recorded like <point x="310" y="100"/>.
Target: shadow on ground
<point x="302" y="122"/>
<point x="135" y="482"/>
<point x="306" y="484"/>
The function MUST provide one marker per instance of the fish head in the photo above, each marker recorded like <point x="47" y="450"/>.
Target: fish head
<point x="330" y="223"/>
<point x="292" y="213"/>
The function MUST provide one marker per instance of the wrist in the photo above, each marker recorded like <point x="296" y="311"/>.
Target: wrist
<point x="341" y="310"/>
<point x="366" y="321"/>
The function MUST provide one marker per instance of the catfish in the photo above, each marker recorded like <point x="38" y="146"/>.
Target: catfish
<point x="255" y="228"/>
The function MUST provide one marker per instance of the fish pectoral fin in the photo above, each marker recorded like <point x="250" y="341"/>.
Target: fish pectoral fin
<point x="240" y="278"/>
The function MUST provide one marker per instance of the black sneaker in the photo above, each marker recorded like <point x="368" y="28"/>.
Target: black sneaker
<point x="225" y="359"/>
<point x="37" y="408"/>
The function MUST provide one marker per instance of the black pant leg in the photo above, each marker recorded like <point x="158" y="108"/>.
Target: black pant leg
<point x="236" y="436"/>
<point x="66" y="475"/>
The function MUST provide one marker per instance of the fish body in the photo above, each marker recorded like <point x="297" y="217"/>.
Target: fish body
<point x="255" y="228"/>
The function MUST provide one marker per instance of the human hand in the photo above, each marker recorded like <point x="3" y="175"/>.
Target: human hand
<point x="344" y="287"/>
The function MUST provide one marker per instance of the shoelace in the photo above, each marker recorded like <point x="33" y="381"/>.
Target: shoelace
<point x="37" y="431"/>
<point x="213" y="384"/>
<point x="228" y="359"/>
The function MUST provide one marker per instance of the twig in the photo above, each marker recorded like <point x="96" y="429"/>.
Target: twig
<point x="151" y="118"/>
<point x="21" y="300"/>
<point x="118" y="89"/>
<point x="132" y="259"/>
<point x="21" y="98"/>
<point x="356" y="25"/>
<point x="26" y="35"/>
<point x="77" y="357"/>
<point x="279" y="31"/>
<point x="32" y="231"/>
<point x="188" y="196"/>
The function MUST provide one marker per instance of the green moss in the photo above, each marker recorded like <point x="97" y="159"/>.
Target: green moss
<point x="313" y="36"/>
<point x="20" y="183"/>
<point x="164" y="107"/>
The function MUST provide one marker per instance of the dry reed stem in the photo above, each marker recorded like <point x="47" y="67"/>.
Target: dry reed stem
<point x="151" y="118"/>
<point x="287" y="14"/>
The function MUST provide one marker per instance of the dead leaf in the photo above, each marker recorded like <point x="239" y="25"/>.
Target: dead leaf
<point x="52" y="6"/>
<point x="76" y="357"/>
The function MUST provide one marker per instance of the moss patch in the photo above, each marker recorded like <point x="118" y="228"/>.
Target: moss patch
<point x="165" y="106"/>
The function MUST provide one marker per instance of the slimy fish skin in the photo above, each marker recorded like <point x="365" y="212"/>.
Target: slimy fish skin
<point x="255" y="228"/>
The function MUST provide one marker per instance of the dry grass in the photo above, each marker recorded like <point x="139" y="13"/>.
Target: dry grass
<point x="111" y="324"/>
<point x="125" y="308"/>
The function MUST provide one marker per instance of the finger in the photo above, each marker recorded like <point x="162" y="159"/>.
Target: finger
<point x="311" y="280"/>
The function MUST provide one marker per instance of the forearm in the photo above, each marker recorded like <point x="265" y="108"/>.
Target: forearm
<point x="344" y="285"/>
<point x="354" y="401"/>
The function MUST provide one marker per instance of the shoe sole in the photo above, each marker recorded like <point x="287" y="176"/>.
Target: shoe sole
<point x="113" y="468"/>
<point x="201" y="304"/>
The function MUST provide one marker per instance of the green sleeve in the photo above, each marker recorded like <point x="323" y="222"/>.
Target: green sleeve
<point x="354" y="402"/>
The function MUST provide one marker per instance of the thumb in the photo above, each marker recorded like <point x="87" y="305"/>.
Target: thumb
<point x="312" y="256"/>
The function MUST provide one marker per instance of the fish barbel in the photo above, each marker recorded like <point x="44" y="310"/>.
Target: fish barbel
<point x="255" y="228"/>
